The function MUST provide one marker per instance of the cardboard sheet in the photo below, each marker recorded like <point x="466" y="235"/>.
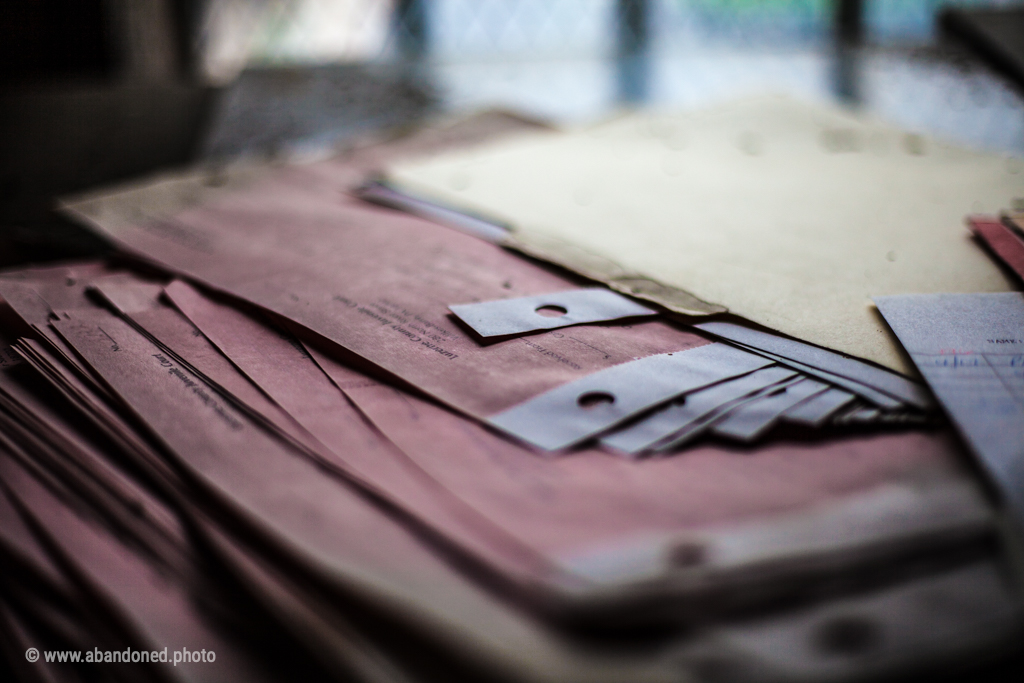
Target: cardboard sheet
<point x="65" y="286"/>
<point x="22" y="547"/>
<point x="378" y="283"/>
<point x="42" y="606"/>
<point x="120" y="430"/>
<point x="788" y="214"/>
<point x="970" y="349"/>
<point x="25" y="296"/>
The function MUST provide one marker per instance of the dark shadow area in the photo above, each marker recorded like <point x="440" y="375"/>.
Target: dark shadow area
<point x="94" y="93"/>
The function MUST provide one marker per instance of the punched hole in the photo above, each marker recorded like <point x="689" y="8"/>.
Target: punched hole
<point x="551" y="311"/>
<point x="847" y="636"/>
<point x="592" y="399"/>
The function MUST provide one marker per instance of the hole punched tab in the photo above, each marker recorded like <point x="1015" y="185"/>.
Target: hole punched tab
<point x="559" y="417"/>
<point x="502" y="317"/>
<point x="592" y="399"/>
<point x="551" y="311"/>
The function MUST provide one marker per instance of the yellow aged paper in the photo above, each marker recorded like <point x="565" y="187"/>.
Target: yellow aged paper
<point x="789" y="214"/>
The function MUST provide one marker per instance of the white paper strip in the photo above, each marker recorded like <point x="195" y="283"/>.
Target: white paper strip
<point x="886" y="381"/>
<point x="379" y="193"/>
<point x="815" y="411"/>
<point x="589" y="406"/>
<point x="547" y="311"/>
<point x="696" y="406"/>
<point x="876" y="397"/>
<point x="755" y="418"/>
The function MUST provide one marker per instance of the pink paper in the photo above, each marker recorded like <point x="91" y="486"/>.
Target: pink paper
<point x="378" y="283"/>
<point x="36" y="293"/>
<point x="314" y="523"/>
<point x="283" y="368"/>
<point x="49" y="434"/>
<point x="592" y="497"/>
<point x="82" y="394"/>
<point x="1006" y="244"/>
<point x="159" y="612"/>
<point x="584" y="499"/>
<point x="140" y="303"/>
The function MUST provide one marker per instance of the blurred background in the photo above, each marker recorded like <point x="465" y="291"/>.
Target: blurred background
<point x="98" y="91"/>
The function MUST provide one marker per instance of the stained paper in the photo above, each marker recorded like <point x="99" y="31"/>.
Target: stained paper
<point x="378" y="284"/>
<point x="789" y="214"/>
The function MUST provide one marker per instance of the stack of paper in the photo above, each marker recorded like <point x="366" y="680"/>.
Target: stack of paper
<point x="308" y="434"/>
<point x="788" y="214"/>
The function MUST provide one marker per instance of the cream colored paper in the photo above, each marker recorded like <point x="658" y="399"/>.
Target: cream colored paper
<point x="789" y="214"/>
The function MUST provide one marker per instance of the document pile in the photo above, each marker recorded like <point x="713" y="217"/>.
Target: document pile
<point x="324" y="438"/>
